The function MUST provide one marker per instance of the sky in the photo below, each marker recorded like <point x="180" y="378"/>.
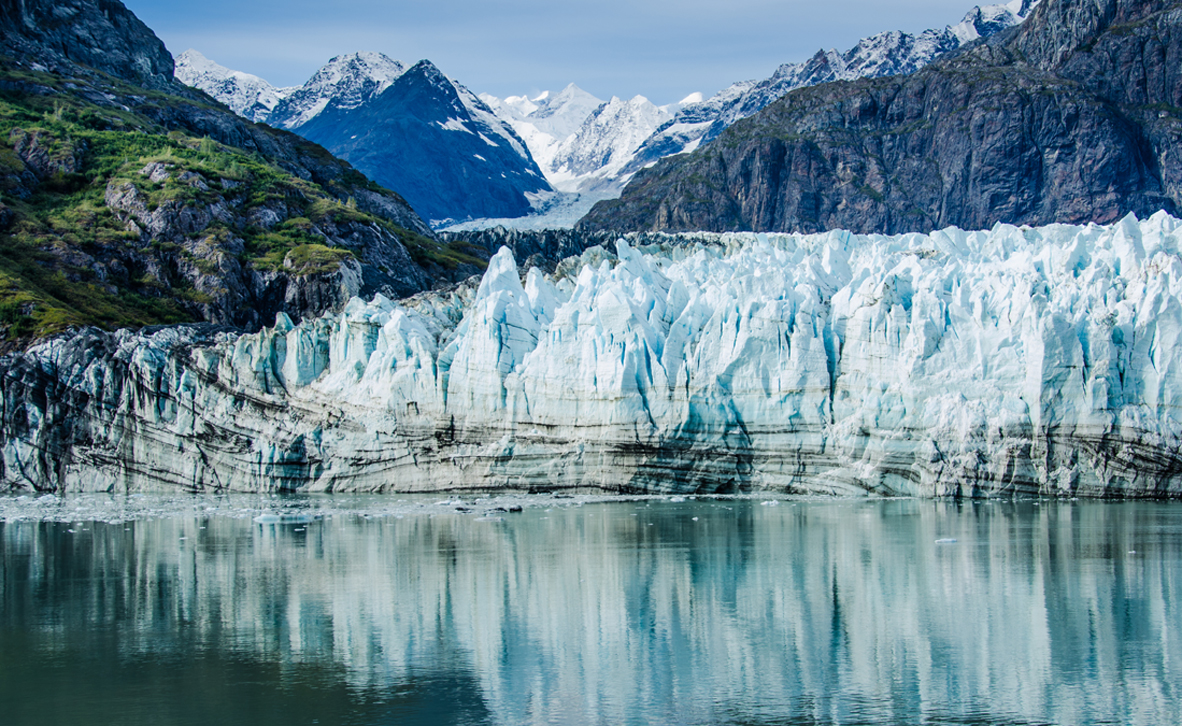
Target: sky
<point x="661" y="49"/>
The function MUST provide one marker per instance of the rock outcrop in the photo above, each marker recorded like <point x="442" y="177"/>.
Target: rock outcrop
<point x="133" y="192"/>
<point x="1015" y="361"/>
<point x="1071" y="117"/>
<point x="78" y="36"/>
<point x="200" y="243"/>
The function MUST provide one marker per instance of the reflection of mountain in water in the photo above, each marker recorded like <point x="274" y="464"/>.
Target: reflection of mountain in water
<point x="824" y="612"/>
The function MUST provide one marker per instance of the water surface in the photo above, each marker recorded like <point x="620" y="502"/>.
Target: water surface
<point x="375" y="611"/>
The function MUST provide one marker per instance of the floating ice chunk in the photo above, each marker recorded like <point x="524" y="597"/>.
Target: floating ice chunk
<point x="285" y="518"/>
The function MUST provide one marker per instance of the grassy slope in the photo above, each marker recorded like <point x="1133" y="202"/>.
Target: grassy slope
<point x="43" y="293"/>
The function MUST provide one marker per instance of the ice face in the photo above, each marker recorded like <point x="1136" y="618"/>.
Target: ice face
<point x="1010" y="360"/>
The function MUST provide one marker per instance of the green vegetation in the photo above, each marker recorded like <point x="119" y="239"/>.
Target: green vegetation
<point x="67" y="259"/>
<point x="314" y="259"/>
<point x="869" y="191"/>
<point x="427" y="252"/>
<point x="47" y="281"/>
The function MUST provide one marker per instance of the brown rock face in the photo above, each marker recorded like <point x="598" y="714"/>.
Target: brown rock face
<point x="1074" y="117"/>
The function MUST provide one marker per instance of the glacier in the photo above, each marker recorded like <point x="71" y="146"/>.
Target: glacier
<point x="1011" y="361"/>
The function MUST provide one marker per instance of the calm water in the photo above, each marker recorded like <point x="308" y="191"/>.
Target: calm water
<point x="572" y="612"/>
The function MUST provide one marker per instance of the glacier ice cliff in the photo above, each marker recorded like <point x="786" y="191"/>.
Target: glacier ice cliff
<point x="1016" y="360"/>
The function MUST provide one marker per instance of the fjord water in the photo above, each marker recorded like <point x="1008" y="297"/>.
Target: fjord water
<point x="572" y="612"/>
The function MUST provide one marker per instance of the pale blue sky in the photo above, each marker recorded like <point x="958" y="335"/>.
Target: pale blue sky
<point x="663" y="49"/>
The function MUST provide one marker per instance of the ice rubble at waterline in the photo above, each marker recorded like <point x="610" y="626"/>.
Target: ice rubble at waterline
<point x="1004" y="361"/>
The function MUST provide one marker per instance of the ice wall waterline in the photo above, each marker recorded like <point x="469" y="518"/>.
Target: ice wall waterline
<point x="1015" y="360"/>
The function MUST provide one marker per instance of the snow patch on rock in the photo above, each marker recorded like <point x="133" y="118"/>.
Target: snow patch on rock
<point x="246" y="95"/>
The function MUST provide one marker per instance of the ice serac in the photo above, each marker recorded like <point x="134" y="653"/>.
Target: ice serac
<point x="1010" y="361"/>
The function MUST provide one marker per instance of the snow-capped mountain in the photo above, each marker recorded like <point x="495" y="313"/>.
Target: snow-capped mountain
<point x="415" y="131"/>
<point x="580" y="142"/>
<point x="558" y="115"/>
<point x="545" y="121"/>
<point x="346" y="82"/>
<point x="605" y="143"/>
<point x="885" y="54"/>
<point x="245" y="94"/>
<point x="583" y="147"/>
<point x="437" y="144"/>
<point x="595" y="154"/>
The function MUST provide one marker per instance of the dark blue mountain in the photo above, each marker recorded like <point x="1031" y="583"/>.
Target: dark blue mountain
<point x="435" y="142"/>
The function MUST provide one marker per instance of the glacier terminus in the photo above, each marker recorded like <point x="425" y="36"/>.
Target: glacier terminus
<point x="1010" y="361"/>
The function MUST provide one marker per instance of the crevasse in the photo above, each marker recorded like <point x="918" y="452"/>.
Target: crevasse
<point x="957" y="363"/>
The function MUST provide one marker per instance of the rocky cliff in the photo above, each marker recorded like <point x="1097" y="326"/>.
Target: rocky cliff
<point x="1016" y="361"/>
<point x="80" y="36"/>
<point x="890" y="53"/>
<point x="1071" y="117"/>
<point x="131" y="199"/>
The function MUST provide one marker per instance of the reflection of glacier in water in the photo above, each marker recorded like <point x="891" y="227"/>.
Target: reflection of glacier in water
<point x="713" y="611"/>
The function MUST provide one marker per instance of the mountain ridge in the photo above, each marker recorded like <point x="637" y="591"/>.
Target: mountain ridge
<point x="430" y="137"/>
<point x="335" y="108"/>
<point x="124" y="204"/>
<point x="247" y="95"/>
<point x="686" y="125"/>
<point x="588" y="149"/>
<point x="1052" y="121"/>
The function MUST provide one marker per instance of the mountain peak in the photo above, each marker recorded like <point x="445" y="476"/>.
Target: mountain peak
<point x="247" y="95"/>
<point x="435" y="142"/>
<point x="196" y="59"/>
<point x="352" y="67"/>
<point x="428" y="70"/>
<point x="345" y="82"/>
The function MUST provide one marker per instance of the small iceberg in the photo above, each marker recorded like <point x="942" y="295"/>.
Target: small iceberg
<point x="946" y="540"/>
<point x="284" y="518"/>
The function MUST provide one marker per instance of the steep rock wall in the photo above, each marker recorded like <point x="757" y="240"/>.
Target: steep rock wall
<point x="1072" y="117"/>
